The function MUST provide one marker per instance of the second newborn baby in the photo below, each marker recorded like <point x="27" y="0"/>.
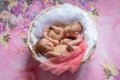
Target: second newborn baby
<point x="56" y="41"/>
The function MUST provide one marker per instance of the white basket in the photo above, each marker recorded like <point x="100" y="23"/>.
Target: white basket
<point x="65" y="13"/>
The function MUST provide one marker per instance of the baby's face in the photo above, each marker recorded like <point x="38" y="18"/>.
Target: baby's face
<point x="74" y="29"/>
<point x="47" y="45"/>
<point x="72" y="34"/>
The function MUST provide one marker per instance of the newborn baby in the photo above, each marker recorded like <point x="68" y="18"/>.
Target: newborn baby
<point x="56" y="33"/>
<point x="68" y="37"/>
<point x="72" y="32"/>
<point x="43" y="46"/>
<point x="46" y="47"/>
<point x="62" y="49"/>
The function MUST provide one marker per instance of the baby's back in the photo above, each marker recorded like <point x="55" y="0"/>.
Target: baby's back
<point x="56" y="36"/>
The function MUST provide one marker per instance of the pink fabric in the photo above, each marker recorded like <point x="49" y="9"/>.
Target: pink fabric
<point x="16" y="62"/>
<point x="68" y="62"/>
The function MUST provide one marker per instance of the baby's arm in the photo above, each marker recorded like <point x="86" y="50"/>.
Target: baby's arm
<point x="72" y="45"/>
<point x="79" y="37"/>
<point x="65" y="41"/>
<point x="45" y="32"/>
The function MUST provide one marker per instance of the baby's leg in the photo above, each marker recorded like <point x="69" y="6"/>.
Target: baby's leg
<point x="74" y="42"/>
<point x="72" y="45"/>
<point x="52" y="54"/>
<point x="45" y="32"/>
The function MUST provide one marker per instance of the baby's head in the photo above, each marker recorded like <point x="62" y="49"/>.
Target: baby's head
<point x="58" y="24"/>
<point x="44" y="45"/>
<point x="73" y="29"/>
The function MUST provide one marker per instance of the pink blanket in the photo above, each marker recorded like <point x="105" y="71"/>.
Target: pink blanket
<point x="16" y="62"/>
<point x="69" y="62"/>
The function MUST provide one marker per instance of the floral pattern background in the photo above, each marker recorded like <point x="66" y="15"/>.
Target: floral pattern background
<point x="16" y="62"/>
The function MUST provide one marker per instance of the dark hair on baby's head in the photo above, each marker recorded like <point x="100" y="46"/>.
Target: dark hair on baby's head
<point x="39" y="46"/>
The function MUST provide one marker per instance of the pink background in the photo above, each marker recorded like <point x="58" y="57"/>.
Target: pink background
<point x="16" y="62"/>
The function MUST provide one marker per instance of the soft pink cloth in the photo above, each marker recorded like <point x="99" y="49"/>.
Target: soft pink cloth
<point x="16" y="62"/>
<point x="69" y="62"/>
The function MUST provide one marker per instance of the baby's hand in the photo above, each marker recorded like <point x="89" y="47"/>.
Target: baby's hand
<point x="55" y="42"/>
<point x="65" y="41"/>
<point x="79" y="37"/>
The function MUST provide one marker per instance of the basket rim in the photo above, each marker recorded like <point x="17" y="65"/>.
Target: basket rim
<point x="35" y="56"/>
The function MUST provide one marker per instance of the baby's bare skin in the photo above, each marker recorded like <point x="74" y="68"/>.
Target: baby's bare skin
<point x="54" y="34"/>
<point x="62" y="49"/>
<point x="61" y="45"/>
<point x="71" y="30"/>
<point x="65" y="41"/>
<point x="59" y="50"/>
<point x="44" y="45"/>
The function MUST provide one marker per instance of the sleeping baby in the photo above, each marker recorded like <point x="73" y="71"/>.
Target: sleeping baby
<point x="59" y="40"/>
<point x="47" y="48"/>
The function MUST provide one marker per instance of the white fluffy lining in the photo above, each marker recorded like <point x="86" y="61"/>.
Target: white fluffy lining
<point x="66" y="13"/>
